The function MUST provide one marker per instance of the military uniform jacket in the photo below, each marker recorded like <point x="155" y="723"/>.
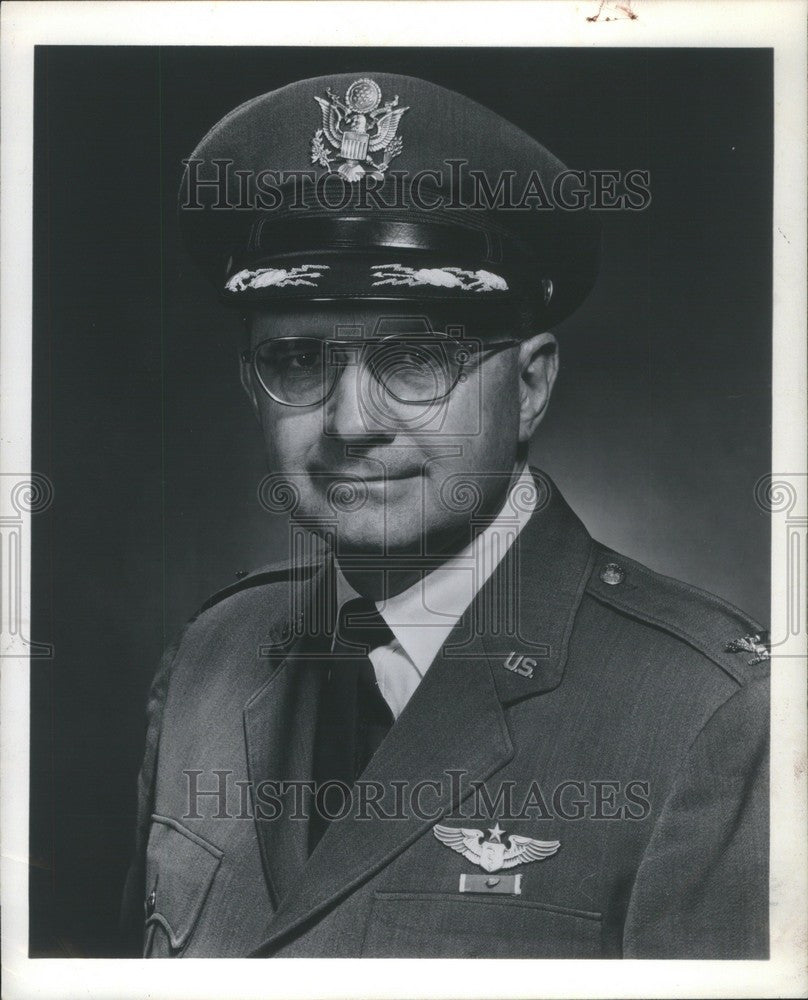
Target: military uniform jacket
<point x="592" y="703"/>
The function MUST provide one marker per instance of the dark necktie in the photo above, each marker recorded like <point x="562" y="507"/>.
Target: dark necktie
<point x="352" y="717"/>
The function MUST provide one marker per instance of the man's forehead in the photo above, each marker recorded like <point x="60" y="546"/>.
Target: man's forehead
<point x="358" y="319"/>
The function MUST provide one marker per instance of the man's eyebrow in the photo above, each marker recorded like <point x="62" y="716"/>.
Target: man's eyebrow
<point x="348" y="335"/>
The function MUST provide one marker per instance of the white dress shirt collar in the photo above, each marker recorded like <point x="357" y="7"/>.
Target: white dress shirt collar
<point x="422" y="616"/>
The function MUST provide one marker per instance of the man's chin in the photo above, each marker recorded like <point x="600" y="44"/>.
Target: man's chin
<point x="375" y="537"/>
<point x="370" y="536"/>
<point x="390" y="521"/>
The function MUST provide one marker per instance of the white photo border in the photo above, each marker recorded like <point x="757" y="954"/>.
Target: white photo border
<point x="778" y="24"/>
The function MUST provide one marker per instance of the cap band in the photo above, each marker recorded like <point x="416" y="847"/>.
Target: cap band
<point x="368" y="233"/>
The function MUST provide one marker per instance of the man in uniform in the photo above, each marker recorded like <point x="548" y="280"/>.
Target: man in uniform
<point x="448" y="723"/>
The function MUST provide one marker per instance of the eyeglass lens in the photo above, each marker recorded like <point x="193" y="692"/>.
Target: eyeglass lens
<point x="302" y="371"/>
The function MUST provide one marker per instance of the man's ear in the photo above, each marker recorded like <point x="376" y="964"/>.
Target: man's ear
<point x="538" y="367"/>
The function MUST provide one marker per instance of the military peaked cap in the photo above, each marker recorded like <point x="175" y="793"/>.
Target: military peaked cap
<point x="380" y="186"/>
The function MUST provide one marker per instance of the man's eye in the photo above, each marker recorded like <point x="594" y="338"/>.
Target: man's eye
<point x="303" y="361"/>
<point x="411" y="357"/>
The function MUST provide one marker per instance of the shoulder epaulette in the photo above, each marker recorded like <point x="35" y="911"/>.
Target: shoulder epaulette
<point x="717" y="629"/>
<point x="277" y="572"/>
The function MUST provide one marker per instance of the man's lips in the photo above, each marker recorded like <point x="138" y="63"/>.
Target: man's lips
<point x="390" y="478"/>
<point x="368" y="475"/>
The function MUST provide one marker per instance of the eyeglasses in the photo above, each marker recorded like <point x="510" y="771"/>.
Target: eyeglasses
<point x="302" y="371"/>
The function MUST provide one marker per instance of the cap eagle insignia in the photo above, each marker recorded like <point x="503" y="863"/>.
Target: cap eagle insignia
<point x="492" y="855"/>
<point x="355" y="128"/>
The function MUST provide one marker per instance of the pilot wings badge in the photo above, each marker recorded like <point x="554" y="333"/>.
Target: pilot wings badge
<point x="354" y="128"/>
<point x="492" y="855"/>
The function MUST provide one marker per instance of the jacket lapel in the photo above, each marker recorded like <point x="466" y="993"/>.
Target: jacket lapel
<point x="279" y="727"/>
<point x="533" y="598"/>
<point x="456" y="717"/>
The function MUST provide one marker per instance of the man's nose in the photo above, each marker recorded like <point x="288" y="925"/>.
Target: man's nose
<point x="358" y="407"/>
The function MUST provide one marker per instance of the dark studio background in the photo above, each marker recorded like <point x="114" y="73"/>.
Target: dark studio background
<point x="658" y="431"/>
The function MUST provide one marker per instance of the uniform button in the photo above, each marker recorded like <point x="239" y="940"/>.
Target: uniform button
<point x="240" y="574"/>
<point x="612" y="574"/>
<point x="151" y="902"/>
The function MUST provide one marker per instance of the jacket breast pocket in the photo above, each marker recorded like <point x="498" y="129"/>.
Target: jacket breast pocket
<point x="442" y="925"/>
<point x="180" y="868"/>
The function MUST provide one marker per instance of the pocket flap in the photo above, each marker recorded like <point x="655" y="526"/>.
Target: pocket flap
<point x="180" y="866"/>
<point x="448" y="925"/>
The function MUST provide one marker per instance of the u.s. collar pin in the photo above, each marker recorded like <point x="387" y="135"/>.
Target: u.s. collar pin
<point x="520" y="664"/>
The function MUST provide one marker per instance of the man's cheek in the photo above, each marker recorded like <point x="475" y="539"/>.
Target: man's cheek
<point x="287" y="440"/>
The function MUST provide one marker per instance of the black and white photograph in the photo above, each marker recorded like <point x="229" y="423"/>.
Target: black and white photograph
<point x="408" y="559"/>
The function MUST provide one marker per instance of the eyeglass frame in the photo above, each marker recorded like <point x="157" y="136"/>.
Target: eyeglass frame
<point x="250" y="355"/>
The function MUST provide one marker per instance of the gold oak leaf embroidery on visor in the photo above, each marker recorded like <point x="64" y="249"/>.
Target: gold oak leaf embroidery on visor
<point x="276" y="277"/>
<point x="439" y="277"/>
